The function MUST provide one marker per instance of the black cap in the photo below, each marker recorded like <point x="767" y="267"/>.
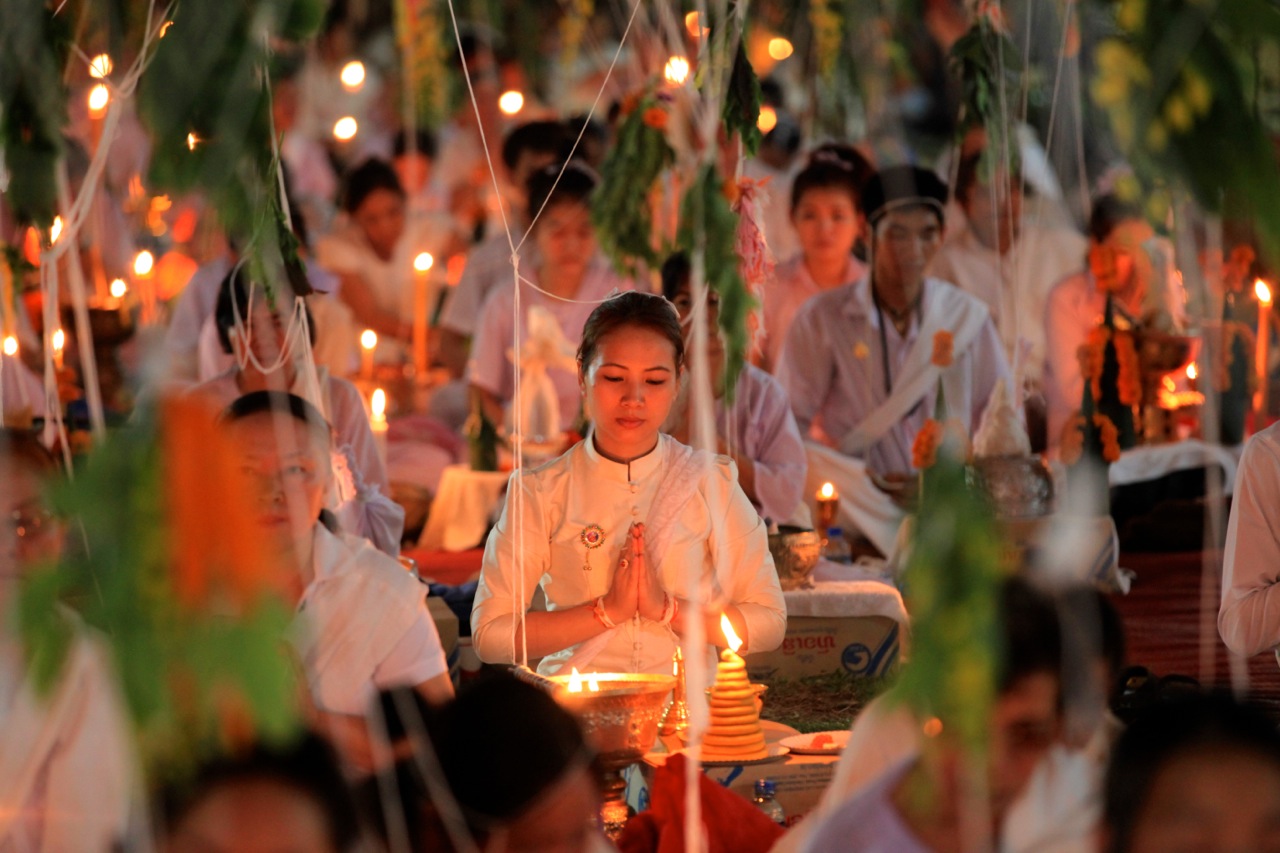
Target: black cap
<point x="903" y="186"/>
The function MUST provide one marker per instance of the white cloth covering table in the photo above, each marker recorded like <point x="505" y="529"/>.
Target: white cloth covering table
<point x="462" y="508"/>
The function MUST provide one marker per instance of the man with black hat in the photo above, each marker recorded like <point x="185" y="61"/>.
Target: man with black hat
<point x="857" y="362"/>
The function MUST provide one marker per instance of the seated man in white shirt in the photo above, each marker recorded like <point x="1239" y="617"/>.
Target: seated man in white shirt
<point x="1248" y="619"/>
<point x="857" y="363"/>
<point x="1009" y="263"/>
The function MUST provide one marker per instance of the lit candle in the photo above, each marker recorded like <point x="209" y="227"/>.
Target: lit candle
<point x="345" y="129"/>
<point x="58" y="340"/>
<point x="828" y="502"/>
<point x="144" y="264"/>
<point x="378" y="422"/>
<point x="352" y="75"/>
<point x="510" y="102"/>
<point x="730" y="655"/>
<point x="368" y="343"/>
<point x="11" y="345"/>
<point x="1262" y="353"/>
<point x="422" y="265"/>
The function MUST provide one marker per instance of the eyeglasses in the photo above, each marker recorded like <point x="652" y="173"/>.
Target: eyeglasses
<point x="28" y="523"/>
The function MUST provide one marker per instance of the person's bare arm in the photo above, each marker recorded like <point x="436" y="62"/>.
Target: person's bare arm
<point x="359" y="298"/>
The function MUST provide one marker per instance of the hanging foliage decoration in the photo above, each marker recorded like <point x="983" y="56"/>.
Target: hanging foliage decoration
<point x="620" y="207"/>
<point x="420" y="34"/>
<point x="34" y="45"/>
<point x="989" y="68"/>
<point x="1175" y="82"/>
<point x="708" y="223"/>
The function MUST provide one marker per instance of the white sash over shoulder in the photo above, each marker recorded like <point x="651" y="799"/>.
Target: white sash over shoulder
<point x="948" y="309"/>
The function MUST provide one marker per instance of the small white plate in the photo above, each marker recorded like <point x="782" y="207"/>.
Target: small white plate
<point x="803" y="744"/>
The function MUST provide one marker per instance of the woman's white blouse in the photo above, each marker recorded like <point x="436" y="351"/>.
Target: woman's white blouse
<point x="718" y="533"/>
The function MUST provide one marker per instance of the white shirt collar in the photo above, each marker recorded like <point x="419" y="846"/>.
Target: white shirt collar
<point x="639" y="468"/>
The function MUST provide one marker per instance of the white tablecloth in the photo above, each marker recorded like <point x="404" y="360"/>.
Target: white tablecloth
<point x="1152" y="461"/>
<point x="850" y="591"/>
<point x="462" y="509"/>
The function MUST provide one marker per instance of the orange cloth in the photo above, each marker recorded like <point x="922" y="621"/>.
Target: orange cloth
<point x="734" y="824"/>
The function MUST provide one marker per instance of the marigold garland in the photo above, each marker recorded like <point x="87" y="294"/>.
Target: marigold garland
<point x="1072" y="444"/>
<point x="924" y="450"/>
<point x="943" y="349"/>
<point x="1109" y="436"/>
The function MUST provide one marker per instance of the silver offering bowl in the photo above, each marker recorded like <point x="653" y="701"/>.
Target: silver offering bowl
<point x="795" y="553"/>
<point x="621" y="721"/>
<point x="1018" y="487"/>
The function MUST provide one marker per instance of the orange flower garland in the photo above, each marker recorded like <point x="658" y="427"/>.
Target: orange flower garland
<point x="924" y="450"/>
<point x="1109" y="435"/>
<point x="655" y="117"/>
<point x="943" y="345"/>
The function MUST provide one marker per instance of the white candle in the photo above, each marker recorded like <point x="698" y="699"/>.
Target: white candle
<point x="1262" y="353"/>
<point x="378" y="422"/>
<point x="828" y="502"/>
<point x="58" y="340"/>
<point x="368" y="343"/>
<point x="422" y="265"/>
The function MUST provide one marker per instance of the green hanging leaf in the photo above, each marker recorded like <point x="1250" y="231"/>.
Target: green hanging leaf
<point x="742" y="99"/>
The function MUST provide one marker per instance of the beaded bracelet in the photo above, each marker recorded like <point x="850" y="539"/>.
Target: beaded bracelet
<point x="602" y="614"/>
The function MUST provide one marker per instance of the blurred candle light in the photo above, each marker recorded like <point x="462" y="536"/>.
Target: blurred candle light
<point x="368" y="343"/>
<point x="100" y="66"/>
<point x="143" y="263"/>
<point x="192" y="141"/>
<point x="780" y="49"/>
<point x="1192" y="371"/>
<point x="58" y="340"/>
<point x="99" y="97"/>
<point x="676" y="71"/>
<point x="352" y="75"/>
<point x="1262" y="353"/>
<point x="378" y="421"/>
<point x="118" y="288"/>
<point x="768" y="119"/>
<point x="164" y="28"/>
<point x="511" y="102"/>
<point x="828" y="503"/>
<point x="345" y="128"/>
<point x="10" y="345"/>
<point x="421" y="308"/>
<point x="55" y="230"/>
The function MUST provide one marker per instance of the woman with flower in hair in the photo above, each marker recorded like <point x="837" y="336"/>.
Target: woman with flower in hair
<point x="610" y="530"/>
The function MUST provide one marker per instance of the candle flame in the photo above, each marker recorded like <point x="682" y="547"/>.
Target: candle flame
<point x="768" y="119"/>
<point x="780" y="48"/>
<point x="1192" y="371"/>
<point x="735" y="642"/>
<point x="676" y="71"/>
<point x="592" y="684"/>
<point x="100" y="66"/>
<point x="510" y="102"/>
<point x="827" y="492"/>
<point x="192" y="141"/>
<point x="378" y="403"/>
<point x="119" y="288"/>
<point x="55" y="230"/>
<point x="99" y="97"/>
<point x="10" y="345"/>
<point x="352" y="75"/>
<point x="423" y="262"/>
<point x="368" y="339"/>
<point x="1263" y="292"/>
<point x="575" y="681"/>
<point x="345" y="128"/>
<point x="164" y="28"/>
<point x="144" y="262"/>
<point x="58" y="339"/>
